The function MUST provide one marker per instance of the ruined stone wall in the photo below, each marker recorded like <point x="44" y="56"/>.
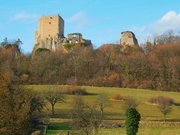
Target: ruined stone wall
<point x="74" y="38"/>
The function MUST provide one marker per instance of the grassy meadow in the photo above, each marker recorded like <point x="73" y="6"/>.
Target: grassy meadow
<point x="121" y="131"/>
<point x="151" y="119"/>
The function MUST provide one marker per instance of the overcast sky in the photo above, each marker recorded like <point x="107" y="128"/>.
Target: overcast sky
<point x="102" y="21"/>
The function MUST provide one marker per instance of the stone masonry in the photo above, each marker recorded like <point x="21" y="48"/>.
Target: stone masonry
<point x="128" y="38"/>
<point x="76" y="38"/>
<point x="50" y="32"/>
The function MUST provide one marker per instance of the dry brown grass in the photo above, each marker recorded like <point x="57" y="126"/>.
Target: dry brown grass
<point x="118" y="97"/>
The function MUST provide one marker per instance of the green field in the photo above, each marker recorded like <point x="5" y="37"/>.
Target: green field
<point x="151" y="119"/>
<point x="121" y="131"/>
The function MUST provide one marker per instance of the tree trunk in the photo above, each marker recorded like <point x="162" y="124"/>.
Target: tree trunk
<point x="52" y="109"/>
<point x="102" y="113"/>
<point x="164" y="118"/>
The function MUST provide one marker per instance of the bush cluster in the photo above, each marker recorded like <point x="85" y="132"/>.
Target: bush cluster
<point x="161" y="100"/>
<point x="118" y="97"/>
<point x="74" y="90"/>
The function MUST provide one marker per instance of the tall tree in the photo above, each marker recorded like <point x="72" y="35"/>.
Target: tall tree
<point x="19" y="107"/>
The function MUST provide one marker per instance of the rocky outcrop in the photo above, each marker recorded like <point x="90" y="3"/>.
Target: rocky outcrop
<point x="128" y="38"/>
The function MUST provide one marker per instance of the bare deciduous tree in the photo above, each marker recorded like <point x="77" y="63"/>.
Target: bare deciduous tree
<point x="165" y="106"/>
<point x="102" y="102"/>
<point x="85" y="117"/>
<point x="54" y="96"/>
<point x="130" y="102"/>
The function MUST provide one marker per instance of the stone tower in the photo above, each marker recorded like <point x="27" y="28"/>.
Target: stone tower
<point x="50" y="32"/>
<point x="128" y="38"/>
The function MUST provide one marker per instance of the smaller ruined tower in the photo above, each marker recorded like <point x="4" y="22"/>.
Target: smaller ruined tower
<point x="128" y="38"/>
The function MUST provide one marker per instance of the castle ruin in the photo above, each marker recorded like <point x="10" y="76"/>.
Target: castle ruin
<point x="50" y="34"/>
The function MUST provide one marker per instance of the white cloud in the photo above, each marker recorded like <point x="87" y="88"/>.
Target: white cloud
<point x="80" y="19"/>
<point x="24" y="16"/>
<point x="170" y="21"/>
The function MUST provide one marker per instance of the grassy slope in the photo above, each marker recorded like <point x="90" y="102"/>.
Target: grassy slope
<point x="115" y="111"/>
<point x="122" y="131"/>
<point x="144" y="131"/>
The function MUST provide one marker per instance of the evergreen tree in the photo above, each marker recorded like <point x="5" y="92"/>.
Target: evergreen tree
<point x="132" y="121"/>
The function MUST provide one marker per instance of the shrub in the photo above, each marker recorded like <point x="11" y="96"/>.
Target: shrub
<point x="42" y="50"/>
<point x="74" y="90"/>
<point x="111" y="79"/>
<point x="132" y="121"/>
<point x="68" y="46"/>
<point x="161" y="100"/>
<point x="164" y="104"/>
<point x="118" y="97"/>
<point x="130" y="102"/>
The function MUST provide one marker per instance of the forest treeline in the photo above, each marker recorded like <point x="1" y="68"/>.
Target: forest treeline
<point x="155" y="66"/>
